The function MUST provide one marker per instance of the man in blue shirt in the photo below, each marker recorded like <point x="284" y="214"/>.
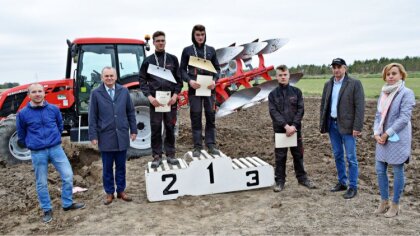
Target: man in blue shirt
<point x="342" y="114"/>
<point x="39" y="127"/>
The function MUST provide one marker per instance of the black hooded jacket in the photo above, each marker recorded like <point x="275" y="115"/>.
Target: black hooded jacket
<point x="190" y="72"/>
<point x="149" y="84"/>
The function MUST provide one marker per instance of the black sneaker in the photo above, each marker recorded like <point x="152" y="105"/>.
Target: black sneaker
<point x="278" y="187"/>
<point x="196" y="152"/>
<point x="172" y="160"/>
<point x="74" y="206"/>
<point x="339" y="187"/>
<point x="157" y="160"/>
<point x="307" y="183"/>
<point x="351" y="193"/>
<point x="213" y="151"/>
<point x="47" y="216"/>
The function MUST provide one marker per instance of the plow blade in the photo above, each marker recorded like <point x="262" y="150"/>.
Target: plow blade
<point x="225" y="55"/>
<point x="273" y="45"/>
<point x="295" y="77"/>
<point x="252" y="49"/>
<point x="265" y="89"/>
<point x="237" y="100"/>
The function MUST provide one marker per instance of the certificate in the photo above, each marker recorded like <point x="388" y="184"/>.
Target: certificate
<point x="202" y="64"/>
<point x="282" y="141"/>
<point x="204" y="81"/>
<point x="161" y="73"/>
<point x="163" y="98"/>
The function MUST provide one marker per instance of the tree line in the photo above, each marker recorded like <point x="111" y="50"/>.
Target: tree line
<point x="372" y="66"/>
<point x="7" y="85"/>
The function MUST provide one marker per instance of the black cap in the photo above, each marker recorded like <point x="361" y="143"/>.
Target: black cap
<point x="338" y="61"/>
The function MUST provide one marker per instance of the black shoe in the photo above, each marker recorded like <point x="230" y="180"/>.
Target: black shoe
<point x="47" y="216"/>
<point x="172" y="160"/>
<point x="339" y="187"/>
<point x="213" y="151"/>
<point x="74" y="206"/>
<point x="157" y="160"/>
<point x="196" y="152"/>
<point x="278" y="187"/>
<point x="307" y="183"/>
<point x="351" y="193"/>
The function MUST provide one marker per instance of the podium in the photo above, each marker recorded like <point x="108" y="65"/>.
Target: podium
<point x="207" y="174"/>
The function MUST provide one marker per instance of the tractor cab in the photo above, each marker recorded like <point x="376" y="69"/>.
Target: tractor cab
<point x="88" y="56"/>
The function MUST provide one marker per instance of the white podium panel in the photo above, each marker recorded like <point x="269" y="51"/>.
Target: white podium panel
<point x="207" y="174"/>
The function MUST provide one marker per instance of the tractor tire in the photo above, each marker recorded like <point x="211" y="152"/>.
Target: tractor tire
<point x="142" y="145"/>
<point x="10" y="152"/>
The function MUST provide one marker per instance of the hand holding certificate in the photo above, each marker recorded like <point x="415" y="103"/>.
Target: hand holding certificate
<point x="163" y="98"/>
<point x="204" y="81"/>
<point x="282" y="141"/>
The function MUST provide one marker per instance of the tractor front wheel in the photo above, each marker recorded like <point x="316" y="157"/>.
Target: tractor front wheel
<point x="142" y="145"/>
<point x="10" y="152"/>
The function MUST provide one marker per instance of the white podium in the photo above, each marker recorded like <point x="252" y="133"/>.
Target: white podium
<point x="207" y="174"/>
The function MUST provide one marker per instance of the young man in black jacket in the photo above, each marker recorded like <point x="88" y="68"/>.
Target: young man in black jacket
<point x="189" y="74"/>
<point x="286" y="110"/>
<point x="149" y="85"/>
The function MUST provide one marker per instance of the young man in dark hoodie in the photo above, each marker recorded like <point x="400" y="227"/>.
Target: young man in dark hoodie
<point x="286" y="110"/>
<point x="189" y="74"/>
<point x="149" y="85"/>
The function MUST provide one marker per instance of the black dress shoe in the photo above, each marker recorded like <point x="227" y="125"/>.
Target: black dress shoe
<point x="339" y="187"/>
<point x="351" y="193"/>
<point x="307" y="183"/>
<point x="278" y="187"/>
<point x="74" y="206"/>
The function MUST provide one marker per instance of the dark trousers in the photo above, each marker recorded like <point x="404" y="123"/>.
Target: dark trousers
<point x="196" y="108"/>
<point x="108" y="159"/>
<point x="169" y="121"/>
<point x="281" y="157"/>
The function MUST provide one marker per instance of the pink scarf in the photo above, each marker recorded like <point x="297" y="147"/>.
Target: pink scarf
<point x="388" y="94"/>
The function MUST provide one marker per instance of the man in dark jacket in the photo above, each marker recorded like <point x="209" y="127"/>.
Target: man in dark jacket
<point x="341" y="115"/>
<point x="112" y="123"/>
<point x="149" y="84"/>
<point x="189" y="74"/>
<point x="286" y="111"/>
<point x="39" y="126"/>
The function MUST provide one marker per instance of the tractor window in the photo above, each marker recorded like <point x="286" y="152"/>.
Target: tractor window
<point x="93" y="59"/>
<point x="130" y="58"/>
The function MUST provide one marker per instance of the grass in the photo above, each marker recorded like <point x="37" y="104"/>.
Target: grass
<point x="372" y="84"/>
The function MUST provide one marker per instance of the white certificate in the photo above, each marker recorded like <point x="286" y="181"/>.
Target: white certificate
<point x="161" y="73"/>
<point x="282" y="141"/>
<point x="204" y="81"/>
<point x="163" y="98"/>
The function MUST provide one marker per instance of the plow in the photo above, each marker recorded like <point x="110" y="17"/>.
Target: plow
<point x="237" y="88"/>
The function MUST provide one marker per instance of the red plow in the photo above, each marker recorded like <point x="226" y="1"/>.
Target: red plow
<point x="238" y="86"/>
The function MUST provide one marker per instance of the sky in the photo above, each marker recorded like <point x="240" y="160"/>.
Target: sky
<point x="33" y="33"/>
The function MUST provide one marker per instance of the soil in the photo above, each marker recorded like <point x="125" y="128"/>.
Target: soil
<point x="296" y="210"/>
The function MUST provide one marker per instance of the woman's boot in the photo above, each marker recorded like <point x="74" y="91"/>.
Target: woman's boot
<point x="393" y="210"/>
<point x="383" y="207"/>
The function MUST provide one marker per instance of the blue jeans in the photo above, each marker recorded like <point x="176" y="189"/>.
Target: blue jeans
<point x="59" y="159"/>
<point x="108" y="159"/>
<point x="338" y="141"/>
<point x="381" y="172"/>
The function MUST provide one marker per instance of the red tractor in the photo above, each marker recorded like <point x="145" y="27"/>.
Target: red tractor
<point x="87" y="56"/>
<point x="85" y="59"/>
